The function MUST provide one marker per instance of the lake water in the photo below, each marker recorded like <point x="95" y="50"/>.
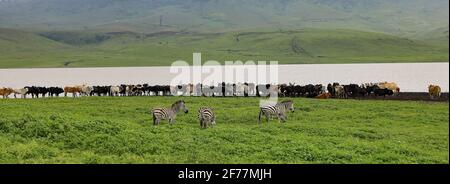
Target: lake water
<point x="411" y="77"/>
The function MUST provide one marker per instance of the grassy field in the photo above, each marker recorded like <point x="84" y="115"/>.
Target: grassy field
<point x="119" y="130"/>
<point x="21" y="49"/>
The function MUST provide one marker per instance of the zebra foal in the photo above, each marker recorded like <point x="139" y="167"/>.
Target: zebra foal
<point x="206" y="117"/>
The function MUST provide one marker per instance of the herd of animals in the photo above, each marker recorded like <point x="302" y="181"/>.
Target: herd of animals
<point x="334" y="90"/>
<point x="279" y="110"/>
<point x="206" y="116"/>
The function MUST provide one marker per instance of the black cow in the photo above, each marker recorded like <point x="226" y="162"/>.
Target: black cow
<point x="222" y="88"/>
<point x="310" y="91"/>
<point x="42" y="91"/>
<point x="362" y="91"/>
<point x="165" y="89"/>
<point x="299" y="91"/>
<point x="33" y="90"/>
<point x="290" y="90"/>
<point x="123" y="90"/>
<point x="156" y="89"/>
<point x="101" y="90"/>
<point x="287" y="90"/>
<point x="55" y="91"/>
<point x="331" y="90"/>
<point x="371" y="89"/>
<point x="138" y="90"/>
<point x="383" y="92"/>
<point x="350" y="90"/>
<point x="146" y="89"/>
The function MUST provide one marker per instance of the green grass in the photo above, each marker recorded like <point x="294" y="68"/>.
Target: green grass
<point x="299" y="46"/>
<point x="119" y="130"/>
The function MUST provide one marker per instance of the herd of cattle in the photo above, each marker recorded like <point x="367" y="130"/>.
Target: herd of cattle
<point x="334" y="90"/>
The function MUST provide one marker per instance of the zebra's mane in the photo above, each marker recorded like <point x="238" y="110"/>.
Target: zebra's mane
<point x="286" y="103"/>
<point x="176" y="105"/>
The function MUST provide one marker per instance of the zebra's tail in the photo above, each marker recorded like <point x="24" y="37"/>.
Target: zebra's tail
<point x="155" y="119"/>
<point x="259" y="117"/>
<point x="153" y="116"/>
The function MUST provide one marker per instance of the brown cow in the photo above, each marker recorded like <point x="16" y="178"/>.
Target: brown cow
<point x="73" y="90"/>
<point x="434" y="91"/>
<point x="190" y="89"/>
<point x="5" y="92"/>
<point x="323" y="96"/>
<point x="389" y="85"/>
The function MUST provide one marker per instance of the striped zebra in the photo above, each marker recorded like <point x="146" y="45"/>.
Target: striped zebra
<point x="278" y="109"/>
<point x="168" y="113"/>
<point x="206" y="117"/>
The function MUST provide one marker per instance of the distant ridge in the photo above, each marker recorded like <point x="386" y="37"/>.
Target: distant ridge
<point x="399" y="17"/>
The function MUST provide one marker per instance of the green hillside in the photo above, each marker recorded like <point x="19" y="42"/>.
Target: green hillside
<point x="85" y="33"/>
<point x="26" y="49"/>
<point x="89" y="49"/>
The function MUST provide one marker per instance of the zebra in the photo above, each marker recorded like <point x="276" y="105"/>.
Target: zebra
<point x="278" y="109"/>
<point x="168" y="113"/>
<point x="206" y="117"/>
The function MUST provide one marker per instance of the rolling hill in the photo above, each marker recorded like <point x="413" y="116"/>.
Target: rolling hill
<point x="85" y="33"/>
<point x="299" y="46"/>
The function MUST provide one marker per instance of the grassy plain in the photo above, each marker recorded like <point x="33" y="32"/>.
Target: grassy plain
<point x="119" y="130"/>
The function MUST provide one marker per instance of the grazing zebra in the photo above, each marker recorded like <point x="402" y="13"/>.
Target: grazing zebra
<point x="168" y="113"/>
<point x="206" y="117"/>
<point x="278" y="109"/>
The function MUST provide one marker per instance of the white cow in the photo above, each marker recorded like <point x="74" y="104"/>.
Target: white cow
<point x="115" y="90"/>
<point x="86" y="90"/>
<point x="240" y="89"/>
<point x="21" y="91"/>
